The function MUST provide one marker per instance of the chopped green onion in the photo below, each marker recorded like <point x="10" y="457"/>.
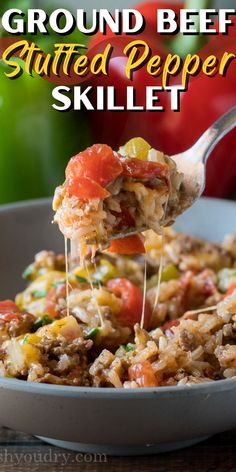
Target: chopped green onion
<point x="28" y="272"/>
<point x="42" y="321"/>
<point x="92" y="333"/>
<point x="39" y="293"/>
<point x="81" y="280"/>
<point x="26" y="339"/>
<point x="58" y="283"/>
<point x="95" y="283"/>
<point x="129" y="347"/>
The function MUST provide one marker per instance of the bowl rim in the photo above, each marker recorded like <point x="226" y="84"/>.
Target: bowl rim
<point x="25" y="204"/>
<point x="205" y="388"/>
<point x="91" y="392"/>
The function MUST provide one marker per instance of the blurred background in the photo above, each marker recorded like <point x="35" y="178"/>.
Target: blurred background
<point x="125" y="3"/>
<point x="36" y="141"/>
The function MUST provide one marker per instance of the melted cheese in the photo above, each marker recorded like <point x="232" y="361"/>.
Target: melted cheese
<point x="200" y="310"/>
<point x="67" y="278"/>
<point x="144" y="293"/>
<point x="161" y="260"/>
<point x="94" y="294"/>
<point x="160" y="270"/>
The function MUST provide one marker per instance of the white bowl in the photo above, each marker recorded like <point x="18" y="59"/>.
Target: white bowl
<point x="111" y="421"/>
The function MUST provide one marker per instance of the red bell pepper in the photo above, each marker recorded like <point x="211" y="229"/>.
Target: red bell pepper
<point x="171" y="132"/>
<point x="98" y="163"/>
<point x="110" y="126"/>
<point x="85" y="189"/>
<point x="143" y="374"/>
<point x="206" y="100"/>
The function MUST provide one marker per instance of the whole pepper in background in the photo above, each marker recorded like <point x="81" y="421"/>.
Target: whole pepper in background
<point x="35" y="140"/>
<point x="117" y="128"/>
<point x="206" y="99"/>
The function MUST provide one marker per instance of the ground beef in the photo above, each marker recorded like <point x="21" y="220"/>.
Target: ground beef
<point x="65" y="363"/>
<point x="77" y="377"/>
<point x="19" y="326"/>
<point x="187" y="341"/>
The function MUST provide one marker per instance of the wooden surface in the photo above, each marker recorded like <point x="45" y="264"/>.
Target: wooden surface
<point x="20" y="452"/>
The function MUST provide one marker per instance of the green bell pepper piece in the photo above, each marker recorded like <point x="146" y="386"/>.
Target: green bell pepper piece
<point x="170" y="272"/>
<point x="36" y="141"/>
<point x="92" y="334"/>
<point x="42" y="321"/>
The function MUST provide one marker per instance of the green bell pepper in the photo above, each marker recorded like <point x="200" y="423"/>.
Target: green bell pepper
<point x="92" y="333"/>
<point x="170" y="272"/>
<point x="36" y="141"/>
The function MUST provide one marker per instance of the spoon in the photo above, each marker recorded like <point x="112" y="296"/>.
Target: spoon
<point x="192" y="162"/>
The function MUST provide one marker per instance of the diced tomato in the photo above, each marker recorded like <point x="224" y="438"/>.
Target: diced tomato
<point x="50" y="309"/>
<point x="10" y="311"/>
<point x="132" y="302"/>
<point x="8" y="306"/>
<point x="209" y="287"/>
<point x="10" y="316"/>
<point x="98" y="163"/>
<point x="128" y="245"/>
<point x="231" y="290"/>
<point x="169" y="324"/>
<point x="52" y="299"/>
<point x="143" y="374"/>
<point x="85" y="189"/>
<point x="145" y="170"/>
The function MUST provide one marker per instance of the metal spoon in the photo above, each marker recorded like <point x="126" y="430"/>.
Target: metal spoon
<point x="192" y="163"/>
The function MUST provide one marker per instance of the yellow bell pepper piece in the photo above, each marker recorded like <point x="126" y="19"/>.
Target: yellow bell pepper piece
<point x="105" y="272"/>
<point x="83" y="272"/>
<point x="31" y="339"/>
<point x="137" y="147"/>
<point x="31" y="353"/>
<point x="105" y="298"/>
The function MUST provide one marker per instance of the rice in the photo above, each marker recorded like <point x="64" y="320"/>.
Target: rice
<point x="94" y="222"/>
<point x="169" y="357"/>
<point x="93" y="203"/>
<point x="190" y="339"/>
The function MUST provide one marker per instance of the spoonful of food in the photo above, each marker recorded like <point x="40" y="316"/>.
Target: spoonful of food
<point x="192" y="163"/>
<point x="109" y="196"/>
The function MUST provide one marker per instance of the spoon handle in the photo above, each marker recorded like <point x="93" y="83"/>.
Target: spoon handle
<point x="208" y="141"/>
